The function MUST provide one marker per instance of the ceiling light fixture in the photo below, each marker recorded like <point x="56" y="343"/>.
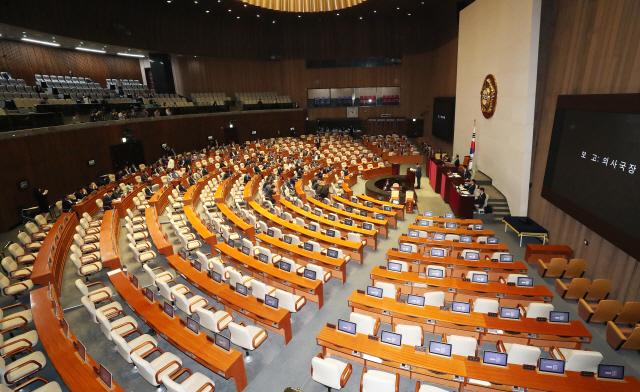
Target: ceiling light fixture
<point x="91" y="50"/>
<point x="130" y="55"/>
<point x="35" y="41"/>
<point x="207" y="12"/>
<point x="295" y="6"/>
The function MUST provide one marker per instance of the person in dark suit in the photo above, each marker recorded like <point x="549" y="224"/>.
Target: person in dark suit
<point x="323" y="190"/>
<point x="472" y="187"/>
<point x="481" y="198"/>
<point x="205" y="172"/>
<point x="456" y="163"/>
<point x="246" y="178"/>
<point x="466" y="174"/>
<point x="67" y="203"/>
<point x="81" y="193"/>
<point x="107" y="199"/>
<point x="191" y="180"/>
<point x="345" y="172"/>
<point x="134" y="168"/>
<point x="41" y="196"/>
<point x="271" y="192"/>
<point x="144" y="176"/>
<point x="227" y="174"/>
<point x="318" y="143"/>
<point x="93" y="187"/>
<point x="387" y="185"/>
<point x="148" y="191"/>
<point x="418" y="174"/>
<point x="119" y="175"/>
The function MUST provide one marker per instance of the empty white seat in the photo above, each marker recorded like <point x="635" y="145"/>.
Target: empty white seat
<point x="388" y="290"/>
<point x="15" y="319"/>
<point x="290" y="301"/>
<point x="236" y="277"/>
<point x="434" y="298"/>
<point x="22" y="367"/>
<point x="196" y="382"/>
<point x="378" y="381"/>
<point x="14" y="271"/>
<point x="365" y="324"/>
<point x="537" y="309"/>
<point x="188" y="305"/>
<point x="121" y="325"/>
<point x="163" y="276"/>
<point x="578" y="360"/>
<point x="248" y="337"/>
<point x="166" y="364"/>
<point x="463" y="345"/>
<point x="20" y="342"/>
<point x="140" y="345"/>
<point x="260" y="289"/>
<point x="486" y="305"/>
<point x="412" y="335"/>
<point x="428" y="388"/>
<point x="212" y="319"/>
<point x="330" y="372"/>
<point x="109" y="310"/>
<point x="321" y="274"/>
<point x="47" y="387"/>
<point x="520" y="354"/>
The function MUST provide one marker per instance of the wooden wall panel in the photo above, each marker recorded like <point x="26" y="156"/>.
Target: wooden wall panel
<point x="594" y="49"/>
<point x="57" y="160"/>
<point x="24" y="60"/>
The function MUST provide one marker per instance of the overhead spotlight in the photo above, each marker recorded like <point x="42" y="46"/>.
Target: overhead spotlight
<point x="91" y="50"/>
<point x="361" y="17"/>
<point x="130" y="55"/>
<point x="299" y="16"/>
<point x="229" y="10"/>
<point x="409" y="14"/>
<point x="398" y="8"/>
<point x="35" y="41"/>
<point x="258" y="16"/>
<point x="338" y="14"/>
<point x="274" y="21"/>
<point x="237" y="17"/>
<point x="207" y="12"/>
<point x="374" y="11"/>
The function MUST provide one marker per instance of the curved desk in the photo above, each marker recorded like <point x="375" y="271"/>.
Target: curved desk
<point x="399" y="208"/>
<point x="197" y="347"/>
<point x="392" y="216"/>
<point x="109" y="239"/>
<point x="480" y="326"/>
<point x="337" y="267"/>
<point x="458" y="290"/>
<point x="425" y="244"/>
<point x="441" y="221"/>
<point x="312" y="290"/>
<point x="352" y="248"/>
<point x="77" y="374"/>
<point x="370" y="236"/>
<point x="157" y="234"/>
<point x="465" y="231"/>
<point x="276" y="320"/>
<point x="419" y="261"/>
<point x="381" y="225"/>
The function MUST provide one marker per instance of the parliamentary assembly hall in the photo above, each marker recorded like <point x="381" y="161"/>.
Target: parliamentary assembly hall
<point x="320" y="195"/>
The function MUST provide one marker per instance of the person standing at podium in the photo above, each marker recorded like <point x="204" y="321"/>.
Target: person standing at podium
<point x="418" y="174"/>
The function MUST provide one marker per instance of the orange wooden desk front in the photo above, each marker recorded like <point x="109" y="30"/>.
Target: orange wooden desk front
<point x="228" y="365"/>
<point x="276" y="320"/>
<point x="77" y="374"/>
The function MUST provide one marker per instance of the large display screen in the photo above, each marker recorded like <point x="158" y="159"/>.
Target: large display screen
<point x="592" y="167"/>
<point x="444" y="111"/>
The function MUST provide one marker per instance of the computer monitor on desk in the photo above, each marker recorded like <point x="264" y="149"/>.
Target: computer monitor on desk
<point x="346" y="327"/>
<point x="435" y="252"/>
<point x="263" y="258"/>
<point x="524" y="282"/>
<point x="610" y="372"/>
<point x="438" y="237"/>
<point x="466" y="239"/>
<point x="415" y="300"/>
<point x="394" y="267"/>
<point x="391" y="338"/>
<point x="423" y="223"/>
<point x="405" y="248"/>
<point x="271" y="301"/>
<point x="474" y="256"/>
<point x="216" y="276"/>
<point x="428" y="214"/>
<point x="506" y="258"/>
<point x="461" y="307"/>
<point x="494" y="358"/>
<point x="450" y="226"/>
<point x="558" y="317"/>
<point x="374" y="291"/>
<point x="449" y="215"/>
<point x="554" y="366"/>
<point x="435" y="273"/>
<point x="493" y="240"/>
<point x="479" y="278"/>
<point x="438" y="348"/>
<point x="222" y="342"/>
<point x="510" y="313"/>
<point x="413" y="234"/>
<point x="309" y="274"/>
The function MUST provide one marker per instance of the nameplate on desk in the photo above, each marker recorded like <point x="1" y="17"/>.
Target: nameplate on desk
<point x="452" y="290"/>
<point x="583" y="339"/>
<point x="360" y="291"/>
<point x="356" y="354"/>
<point x="332" y="326"/>
<point x="494" y="331"/>
<point x="244" y="265"/>
<point x="258" y="239"/>
<point x="473" y="359"/>
<point x="587" y="374"/>
<point x="458" y="378"/>
<point x="517" y="389"/>
<point x="449" y="265"/>
<point x="371" y="337"/>
<point x="382" y="267"/>
<point x="499" y="295"/>
<point x="416" y="261"/>
<point x="446" y="309"/>
<point x="311" y="291"/>
<point x="163" y="336"/>
<point x="491" y="314"/>
<point x="371" y="358"/>
<point x="275" y="325"/>
<point x="432" y="322"/>
<point x="406" y="367"/>
<point x="421" y="349"/>
<point x="528" y="367"/>
<point x="195" y="284"/>
<point x="284" y="282"/>
<point x="189" y="354"/>
<point x="386" y="312"/>
<point x="532" y="335"/>
<point x="143" y="319"/>
<point x="479" y="329"/>
<point x="486" y="269"/>
<point x="545" y="298"/>
<point x="541" y="319"/>
<point x="336" y="268"/>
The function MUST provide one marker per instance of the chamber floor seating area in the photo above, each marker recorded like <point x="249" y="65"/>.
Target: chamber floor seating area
<point x="270" y="353"/>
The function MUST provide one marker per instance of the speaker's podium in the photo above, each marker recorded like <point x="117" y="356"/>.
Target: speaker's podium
<point x="410" y="178"/>
<point x="409" y="201"/>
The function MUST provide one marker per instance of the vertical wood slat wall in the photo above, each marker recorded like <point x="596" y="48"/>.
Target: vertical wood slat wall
<point x="595" y="49"/>
<point x="24" y="61"/>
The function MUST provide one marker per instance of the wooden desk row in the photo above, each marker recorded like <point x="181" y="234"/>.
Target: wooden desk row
<point x="381" y="225"/>
<point x="399" y="208"/>
<point x="459" y="290"/>
<point x="312" y="290"/>
<point x="77" y="374"/>
<point x="157" y="234"/>
<point x="276" y="320"/>
<point x="52" y="255"/>
<point x="440" y="221"/>
<point x="370" y="236"/>
<point x="460" y="231"/>
<point x="337" y="267"/>
<point x="391" y="216"/>
<point x="432" y="319"/>
<point x="425" y="244"/>
<point x="418" y="262"/>
<point x="368" y="174"/>
<point x="197" y="347"/>
<point x="458" y="372"/>
<point x="352" y="248"/>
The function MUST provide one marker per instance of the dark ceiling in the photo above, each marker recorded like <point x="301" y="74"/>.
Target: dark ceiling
<point x="237" y="30"/>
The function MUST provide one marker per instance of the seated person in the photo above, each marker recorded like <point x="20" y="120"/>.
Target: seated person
<point x="471" y="187"/>
<point x="67" y="203"/>
<point x="323" y="190"/>
<point x="466" y="174"/>
<point x="387" y="185"/>
<point x="107" y="199"/>
<point x="481" y="198"/>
